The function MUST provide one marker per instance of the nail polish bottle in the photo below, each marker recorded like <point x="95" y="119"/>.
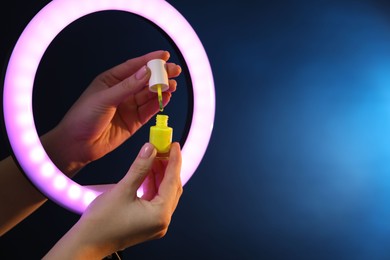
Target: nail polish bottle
<point x="160" y="136"/>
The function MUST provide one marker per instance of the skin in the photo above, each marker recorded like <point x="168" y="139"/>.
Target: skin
<point x="136" y="219"/>
<point x="113" y="107"/>
<point x="110" y="111"/>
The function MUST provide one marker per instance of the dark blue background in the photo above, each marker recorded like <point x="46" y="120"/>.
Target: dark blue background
<point x="298" y="163"/>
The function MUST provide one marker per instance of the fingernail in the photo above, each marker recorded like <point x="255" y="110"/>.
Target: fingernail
<point x="168" y="54"/>
<point x="146" y="151"/>
<point x="141" y="73"/>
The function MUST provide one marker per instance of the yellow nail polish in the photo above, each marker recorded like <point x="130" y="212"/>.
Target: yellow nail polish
<point x="160" y="100"/>
<point x="161" y="136"/>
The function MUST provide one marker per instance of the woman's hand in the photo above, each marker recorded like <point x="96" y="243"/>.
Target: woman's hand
<point x="111" y="109"/>
<point x="118" y="218"/>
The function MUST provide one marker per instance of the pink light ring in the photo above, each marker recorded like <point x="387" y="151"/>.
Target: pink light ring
<point x="20" y="76"/>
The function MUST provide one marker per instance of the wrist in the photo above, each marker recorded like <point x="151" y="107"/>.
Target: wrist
<point x="78" y="243"/>
<point x="62" y="152"/>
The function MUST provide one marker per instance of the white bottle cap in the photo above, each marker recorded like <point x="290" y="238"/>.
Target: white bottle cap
<point x="159" y="75"/>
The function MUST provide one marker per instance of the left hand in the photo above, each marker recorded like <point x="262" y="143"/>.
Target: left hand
<point x="111" y="109"/>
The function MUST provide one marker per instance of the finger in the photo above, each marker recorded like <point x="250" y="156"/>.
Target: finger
<point x="153" y="180"/>
<point x="173" y="70"/>
<point x="122" y="71"/>
<point x="117" y="94"/>
<point x="172" y="85"/>
<point x="171" y="188"/>
<point x="160" y="172"/>
<point x="150" y="108"/>
<point x="139" y="169"/>
<point x="145" y="95"/>
<point x="149" y="187"/>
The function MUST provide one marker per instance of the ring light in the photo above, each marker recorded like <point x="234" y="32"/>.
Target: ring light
<point x="19" y="81"/>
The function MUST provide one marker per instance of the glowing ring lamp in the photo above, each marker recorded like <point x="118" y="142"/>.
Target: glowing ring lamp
<point x="19" y="81"/>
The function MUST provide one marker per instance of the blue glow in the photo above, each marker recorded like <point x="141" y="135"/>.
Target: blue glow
<point x="313" y="150"/>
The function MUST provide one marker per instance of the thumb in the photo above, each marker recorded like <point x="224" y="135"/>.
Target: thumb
<point x="119" y="92"/>
<point x="139" y="169"/>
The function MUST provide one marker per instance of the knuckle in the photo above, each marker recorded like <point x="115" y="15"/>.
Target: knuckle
<point x="107" y="78"/>
<point x="162" y="221"/>
<point x="126" y="84"/>
<point x="180" y="190"/>
<point x="161" y="233"/>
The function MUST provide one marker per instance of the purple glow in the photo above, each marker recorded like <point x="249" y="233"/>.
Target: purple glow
<point x="20" y="75"/>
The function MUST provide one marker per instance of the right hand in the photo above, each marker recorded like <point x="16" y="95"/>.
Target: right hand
<point x="118" y="219"/>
